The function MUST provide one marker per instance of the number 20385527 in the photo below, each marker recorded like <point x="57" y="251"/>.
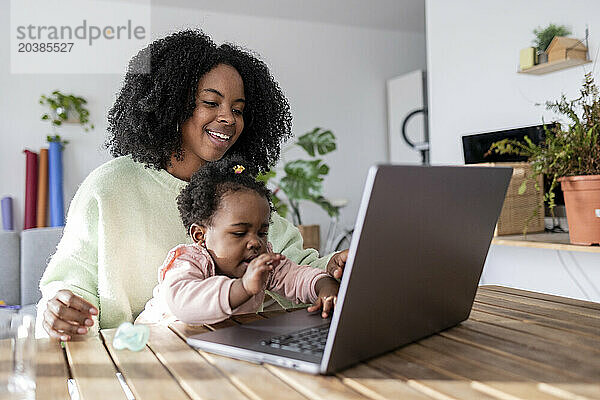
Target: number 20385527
<point x="35" y="47"/>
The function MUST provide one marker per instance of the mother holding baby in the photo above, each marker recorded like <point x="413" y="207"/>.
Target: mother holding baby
<point x="184" y="102"/>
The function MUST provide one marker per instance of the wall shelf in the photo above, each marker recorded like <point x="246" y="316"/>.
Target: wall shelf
<point x="554" y="241"/>
<point x="548" y="67"/>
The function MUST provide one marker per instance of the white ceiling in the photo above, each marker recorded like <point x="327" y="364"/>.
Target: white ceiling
<point x="398" y="15"/>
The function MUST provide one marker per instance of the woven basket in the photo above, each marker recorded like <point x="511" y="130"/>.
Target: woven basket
<point x="520" y="208"/>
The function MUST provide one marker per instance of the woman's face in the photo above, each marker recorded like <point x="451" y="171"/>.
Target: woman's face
<point x="238" y="232"/>
<point x="217" y="121"/>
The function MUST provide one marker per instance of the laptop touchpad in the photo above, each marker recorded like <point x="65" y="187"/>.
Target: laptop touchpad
<point x="289" y="322"/>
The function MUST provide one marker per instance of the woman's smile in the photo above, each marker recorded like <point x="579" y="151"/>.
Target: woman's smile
<point x="219" y="138"/>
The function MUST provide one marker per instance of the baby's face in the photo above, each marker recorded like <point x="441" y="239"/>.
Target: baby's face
<point x="239" y="232"/>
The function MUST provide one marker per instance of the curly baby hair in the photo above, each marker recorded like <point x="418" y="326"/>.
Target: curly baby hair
<point x="200" y="198"/>
<point x="159" y="94"/>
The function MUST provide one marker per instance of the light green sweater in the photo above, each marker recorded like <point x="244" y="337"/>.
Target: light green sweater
<point x="121" y="224"/>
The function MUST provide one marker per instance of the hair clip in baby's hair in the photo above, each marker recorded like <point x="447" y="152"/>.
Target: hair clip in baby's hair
<point x="238" y="169"/>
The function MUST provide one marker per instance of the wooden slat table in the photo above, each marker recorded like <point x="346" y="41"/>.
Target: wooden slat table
<point x="515" y="345"/>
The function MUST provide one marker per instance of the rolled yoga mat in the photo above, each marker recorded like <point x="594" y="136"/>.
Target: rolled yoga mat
<point x="7" y="214"/>
<point x="55" y="184"/>
<point x="30" y="189"/>
<point x="42" y="200"/>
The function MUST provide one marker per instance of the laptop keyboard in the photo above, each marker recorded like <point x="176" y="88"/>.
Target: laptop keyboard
<point x="310" y="340"/>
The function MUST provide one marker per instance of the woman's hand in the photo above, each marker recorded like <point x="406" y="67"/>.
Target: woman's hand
<point x="257" y="273"/>
<point x="67" y="315"/>
<point x="335" y="266"/>
<point x="327" y="290"/>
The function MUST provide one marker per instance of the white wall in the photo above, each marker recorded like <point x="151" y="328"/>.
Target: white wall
<point x="333" y="75"/>
<point x="472" y="59"/>
<point x="572" y="274"/>
<point x="22" y="128"/>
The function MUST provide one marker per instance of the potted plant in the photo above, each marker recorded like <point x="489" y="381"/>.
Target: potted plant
<point x="62" y="108"/>
<point x="302" y="181"/>
<point x="65" y="108"/>
<point x="543" y="37"/>
<point x="570" y="154"/>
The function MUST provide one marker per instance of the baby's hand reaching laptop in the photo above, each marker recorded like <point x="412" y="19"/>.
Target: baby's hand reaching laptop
<point x="327" y="290"/>
<point x="257" y="273"/>
<point x="336" y="264"/>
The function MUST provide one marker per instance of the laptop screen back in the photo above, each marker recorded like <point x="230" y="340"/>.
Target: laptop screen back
<point x="418" y="250"/>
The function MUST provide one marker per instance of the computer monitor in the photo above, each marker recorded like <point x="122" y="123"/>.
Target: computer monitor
<point x="476" y="146"/>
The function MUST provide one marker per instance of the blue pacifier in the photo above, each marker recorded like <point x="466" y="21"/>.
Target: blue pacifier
<point x="132" y="337"/>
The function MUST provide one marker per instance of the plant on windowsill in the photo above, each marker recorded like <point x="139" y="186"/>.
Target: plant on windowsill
<point x="570" y="154"/>
<point x="302" y="181"/>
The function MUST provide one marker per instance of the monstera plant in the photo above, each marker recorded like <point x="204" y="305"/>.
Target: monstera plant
<point x="302" y="179"/>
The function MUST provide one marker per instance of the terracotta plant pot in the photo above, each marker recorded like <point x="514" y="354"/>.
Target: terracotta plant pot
<point x="582" y="200"/>
<point x="310" y="235"/>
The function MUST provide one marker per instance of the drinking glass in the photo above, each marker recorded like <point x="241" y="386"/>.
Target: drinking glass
<point x="17" y="355"/>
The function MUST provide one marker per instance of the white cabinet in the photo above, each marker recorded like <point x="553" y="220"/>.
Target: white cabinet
<point x="405" y="94"/>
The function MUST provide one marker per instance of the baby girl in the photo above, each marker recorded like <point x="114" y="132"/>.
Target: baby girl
<point x="230" y="264"/>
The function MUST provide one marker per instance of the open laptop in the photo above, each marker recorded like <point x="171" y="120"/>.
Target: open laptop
<point x="416" y="256"/>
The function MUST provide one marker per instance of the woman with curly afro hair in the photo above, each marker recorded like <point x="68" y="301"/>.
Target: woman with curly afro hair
<point x="184" y="102"/>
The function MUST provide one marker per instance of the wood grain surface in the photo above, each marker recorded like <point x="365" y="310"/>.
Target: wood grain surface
<point x="516" y="344"/>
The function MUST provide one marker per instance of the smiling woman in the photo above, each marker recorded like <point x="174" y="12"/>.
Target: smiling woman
<point x="184" y="102"/>
<point x="216" y="123"/>
<point x="153" y="111"/>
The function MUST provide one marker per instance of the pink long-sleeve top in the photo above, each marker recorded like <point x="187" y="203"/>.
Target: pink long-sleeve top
<point x="189" y="289"/>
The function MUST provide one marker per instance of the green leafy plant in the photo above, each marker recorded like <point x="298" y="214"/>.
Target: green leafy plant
<point x="57" y="139"/>
<point x="63" y="106"/>
<point x="571" y="149"/>
<point x="302" y="179"/>
<point x="543" y="36"/>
